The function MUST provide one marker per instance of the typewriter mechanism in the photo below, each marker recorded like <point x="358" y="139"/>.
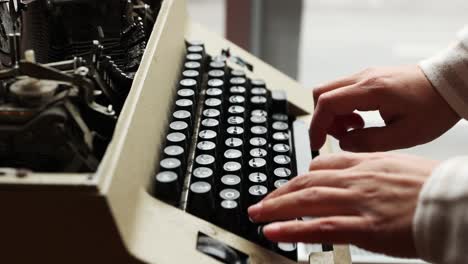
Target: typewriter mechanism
<point x="131" y="134"/>
<point x="59" y="104"/>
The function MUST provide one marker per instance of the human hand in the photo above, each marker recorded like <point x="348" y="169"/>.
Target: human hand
<point x="364" y="199"/>
<point x="413" y="111"/>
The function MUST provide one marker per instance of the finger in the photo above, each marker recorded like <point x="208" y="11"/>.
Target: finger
<point x="344" y="123"/>
<point x="342" y="82"/>
<point x="315" y="201"/>
<point x="330" y="230"/>
<point x="338" y="102"/>
<point x="324" y="178"/>
<point x="392" y="136"/>
<point x="338" y="161"/>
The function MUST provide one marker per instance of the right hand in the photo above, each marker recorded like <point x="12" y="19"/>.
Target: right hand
<point x="413" y="111"/>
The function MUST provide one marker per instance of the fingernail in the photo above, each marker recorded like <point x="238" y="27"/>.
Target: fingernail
<point x="272" y="228"/>
<point x="254" y="210"/>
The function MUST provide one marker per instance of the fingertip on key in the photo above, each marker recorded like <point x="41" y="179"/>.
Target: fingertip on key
<point x="254" y="211"/>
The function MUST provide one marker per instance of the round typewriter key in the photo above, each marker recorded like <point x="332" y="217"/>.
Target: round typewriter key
<point x="211" y="124"/>
<point x="184" y="104"/>
<point x="279" y="183"/>
<point x="203" y="174"/>
<point x="233" y="155"/>
<point x="258" y="101"/>
<point x="282" y="173"/>
<point x="258" y="153"/>
<point x="167" y="187"/>
<point x="196" y="42"/>
<point x="258" y="142"/>
<point x="237" y="73"/>
<point x="177" y="139"/>
<point x="221" y="58"/>
<point x="282" y="160"/>
<point x="174" y="151"/>
<point x="201" y="200"/>
<point x="219" y="74"/>
<point x="207" y="135"/>
<point x="179" y="126"/>
<point x="258" y="83"/>
<point x="288" y="250"/>
<point x="188" y="84"/>
<point x="280" y="117"/>
<point x="258" y="164"/>
<point x="258" y="120"/>
<point x="183" y="115"/>
<point x="258" y="91"/>
<point x="236" y="110"/>
<point x="238" y="81"/>
<point x="228" y="216"/>
<point x="281" y="137"/>
<point x="234" y="143"/>
<point x="171" y="164"/>
<point x="259" y="112"/>
<point x="235" y="120"/>
<point x="211" y="113"/>
<point x="194" y="57"/>
<point x="232" y="167"/>
<point x="280" y="126"/>
<point x="191" y="74"/>
<point x="258" y="130"/>
<point x="217" y="65"/>
<point x="281" y="148"/>
<point x="257" y="193"/>
<point x="195" y="49"/>
<point x="192" y="65"/>
<point x="235" y="131"/>
<point x="231" y="181"/>
<point x="215" y="83"/>
<point x="229" y="194"/>
<point x="205" y="160"/>
<point x="237" y="90"/>
<point x="257" y="178"/>
<point x="188" y="94"/>
<point x="206" y="147"/>
<point x="237" y="99"/>
<point x="214" y="93"/>
<point x="213" y="103"/>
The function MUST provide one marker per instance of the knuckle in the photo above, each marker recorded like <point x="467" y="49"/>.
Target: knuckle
<point x="372" y="82"/>
<point x="325" y="101"/>
<point x="367" y="72"/>
<point x="300" y="182"/>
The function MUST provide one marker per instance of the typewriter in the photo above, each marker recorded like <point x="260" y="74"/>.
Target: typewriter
<point x="130" y="134"/>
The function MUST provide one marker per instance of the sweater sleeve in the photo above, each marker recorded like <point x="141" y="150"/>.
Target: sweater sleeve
<point x="441" y="220"/>
<point x="448" y="73"/>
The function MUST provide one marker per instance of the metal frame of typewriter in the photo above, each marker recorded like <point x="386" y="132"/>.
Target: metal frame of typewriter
<point x="109" y="216"/>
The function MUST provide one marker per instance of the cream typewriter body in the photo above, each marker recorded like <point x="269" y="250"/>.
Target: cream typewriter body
<point x="111" y="216"/>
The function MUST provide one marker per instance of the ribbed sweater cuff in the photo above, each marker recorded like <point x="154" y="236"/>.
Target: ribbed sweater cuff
<point x="440" y="223"/>
<point x="448" y="73"/>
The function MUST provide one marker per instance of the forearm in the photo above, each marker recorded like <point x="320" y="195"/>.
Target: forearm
<point x="441" y="219"/>
<point x="448" y="73"/>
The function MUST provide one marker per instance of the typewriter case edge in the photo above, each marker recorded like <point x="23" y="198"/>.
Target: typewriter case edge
<point x="109" y="215"/>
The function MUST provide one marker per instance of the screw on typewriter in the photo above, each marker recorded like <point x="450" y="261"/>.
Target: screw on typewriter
<point x="49" y="118"/>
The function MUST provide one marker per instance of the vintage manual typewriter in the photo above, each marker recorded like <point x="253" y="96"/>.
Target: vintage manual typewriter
<point x="130" y="134"/>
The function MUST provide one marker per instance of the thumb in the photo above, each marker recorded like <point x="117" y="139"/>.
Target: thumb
<point x="393" y="136"/>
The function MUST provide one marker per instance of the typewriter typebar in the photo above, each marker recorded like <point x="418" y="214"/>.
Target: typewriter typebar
<point x="130" y="134"/>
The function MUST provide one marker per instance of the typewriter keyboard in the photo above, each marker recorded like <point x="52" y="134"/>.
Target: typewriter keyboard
<point x="229" y="144"/>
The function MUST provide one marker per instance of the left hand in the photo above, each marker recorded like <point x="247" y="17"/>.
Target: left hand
<point x="364" y="199"/>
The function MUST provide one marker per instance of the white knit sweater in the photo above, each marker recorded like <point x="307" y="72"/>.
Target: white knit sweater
<point x="441" y="219"/>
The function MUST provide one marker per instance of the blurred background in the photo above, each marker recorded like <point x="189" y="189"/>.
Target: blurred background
<point x="316" y="41"/>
